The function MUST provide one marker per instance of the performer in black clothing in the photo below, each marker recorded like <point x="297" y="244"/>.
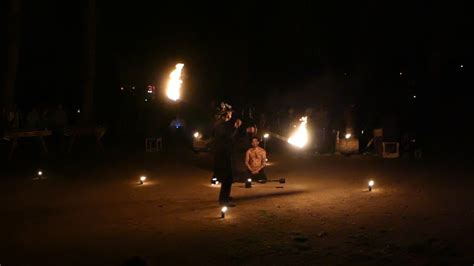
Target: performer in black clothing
<point x="224" y="134"/>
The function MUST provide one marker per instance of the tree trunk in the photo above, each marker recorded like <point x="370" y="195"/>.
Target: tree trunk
<point x="13" y="43"/>
<point x="89" y="71"/>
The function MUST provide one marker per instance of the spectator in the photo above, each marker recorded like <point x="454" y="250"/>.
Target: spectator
<point x="33" y="119"/>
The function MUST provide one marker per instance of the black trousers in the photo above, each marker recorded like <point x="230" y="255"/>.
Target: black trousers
<point x="226" y="186"/>
<point x="223" y="172"/>
<point x="260" y="176"/>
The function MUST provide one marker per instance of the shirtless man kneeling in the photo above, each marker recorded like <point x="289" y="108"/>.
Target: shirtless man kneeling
<point x="255" y="160"/>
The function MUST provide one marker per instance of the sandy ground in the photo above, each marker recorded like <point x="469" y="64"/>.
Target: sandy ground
<point x="419" y="213"/>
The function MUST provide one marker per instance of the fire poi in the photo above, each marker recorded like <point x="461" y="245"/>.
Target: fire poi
<point x="173" y="89"/>
<point x="299" y="138"/>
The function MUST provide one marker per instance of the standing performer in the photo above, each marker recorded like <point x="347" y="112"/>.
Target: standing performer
<point x="224" y="133"/>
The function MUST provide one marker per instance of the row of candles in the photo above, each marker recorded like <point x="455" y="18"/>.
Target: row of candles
<point x="214" y="181"/>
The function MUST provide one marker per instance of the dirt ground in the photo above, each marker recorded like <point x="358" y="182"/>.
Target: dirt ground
<point x="420" y="212"/>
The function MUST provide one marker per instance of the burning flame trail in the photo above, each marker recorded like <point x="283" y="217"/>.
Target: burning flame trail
<point x="173" y="90"/>
<point x="300" y="137"/>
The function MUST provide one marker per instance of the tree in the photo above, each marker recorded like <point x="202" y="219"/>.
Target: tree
<point x="13" y="43"/>
<point x="89" y="71"/>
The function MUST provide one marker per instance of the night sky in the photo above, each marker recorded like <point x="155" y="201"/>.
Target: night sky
<point x="301" y="53"/>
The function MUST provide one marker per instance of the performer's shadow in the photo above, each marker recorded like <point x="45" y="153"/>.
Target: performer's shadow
<point x="267" y="195"/>
<point x="266" y="187"/>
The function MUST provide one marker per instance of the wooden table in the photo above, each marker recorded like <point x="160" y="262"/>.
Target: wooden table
<point x="77" y="132"/>
<point x="15" y="135"/>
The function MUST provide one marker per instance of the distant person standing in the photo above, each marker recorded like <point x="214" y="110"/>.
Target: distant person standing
<point x="262" y="122"/>
<point x="255" y="160"/>
<point x="3" y="121"/>
<point x="60" y="118"/>
<point x="224" y="134"/>
<point x="59" y="122"/>
<point x="13" y="118"/>
<point x="33" y="119"/>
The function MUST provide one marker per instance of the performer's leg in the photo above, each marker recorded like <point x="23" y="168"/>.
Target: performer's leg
<point x="261" y="177"/>
<point x="226" y="186"/>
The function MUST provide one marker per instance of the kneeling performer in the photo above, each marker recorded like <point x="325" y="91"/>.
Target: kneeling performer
<point x="255" y="160"/>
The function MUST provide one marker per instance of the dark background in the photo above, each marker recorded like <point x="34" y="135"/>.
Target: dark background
<point x="267" y="55"/>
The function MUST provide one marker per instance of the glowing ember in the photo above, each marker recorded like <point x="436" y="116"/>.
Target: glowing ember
<point x="300" y="136"/>
<point x="173" y="91"/>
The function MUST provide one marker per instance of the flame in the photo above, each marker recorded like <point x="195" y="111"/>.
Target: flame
<point x="300" y="136"/>
<point x="173" y="90"/>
